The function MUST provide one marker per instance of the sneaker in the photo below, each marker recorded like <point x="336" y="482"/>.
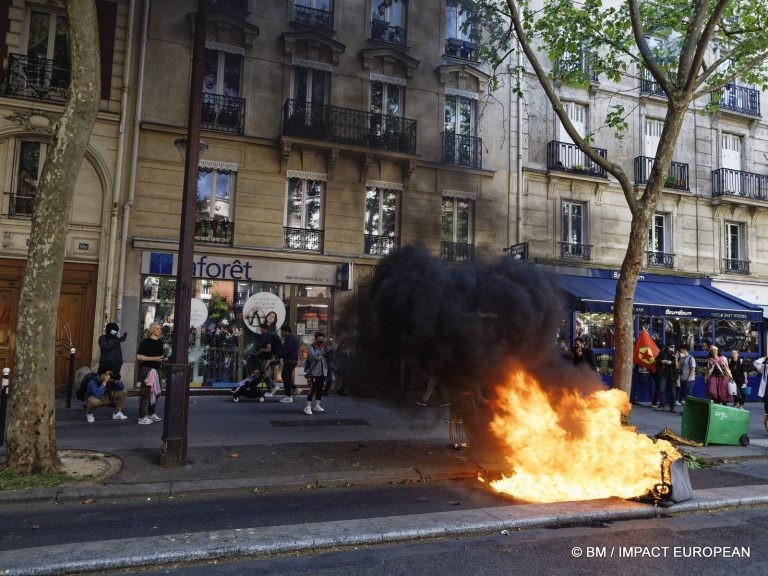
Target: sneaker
<point x="287" y="399"/>
<point x="89" y="418"/>
<point x="317" y="408"/>
<point x="155" y="418"/>
<point x="308" y="409"/>
<point x="145" y="420"/>
<point x="421" y="402"/>
<point x="445" y="404"/>
<point x="119" y="416"/>
<point x="677" y="403"/>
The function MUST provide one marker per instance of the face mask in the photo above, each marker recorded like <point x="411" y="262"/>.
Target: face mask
<point x="113" y="332"/>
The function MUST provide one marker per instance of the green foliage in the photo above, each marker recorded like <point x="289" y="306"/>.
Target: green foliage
<point x="218" y="308"/>
<point x="12" y="480"/>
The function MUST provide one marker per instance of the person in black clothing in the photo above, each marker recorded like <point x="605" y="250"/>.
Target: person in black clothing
<point x="739" y="374"/>
<point x="583" y="353"/>
<point x="269" y="349"/>
<point x="667" y="373"/>
<point x="111" y="354"/>
<point x="290" y="358"/>
<point x="151" y="355"/>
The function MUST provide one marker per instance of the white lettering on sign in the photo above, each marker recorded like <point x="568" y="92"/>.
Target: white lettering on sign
<point x="669" y="312"/>
<point x="617" y="275"/>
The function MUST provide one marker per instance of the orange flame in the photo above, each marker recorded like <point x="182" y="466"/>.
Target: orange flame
<point x="563" y="445"/>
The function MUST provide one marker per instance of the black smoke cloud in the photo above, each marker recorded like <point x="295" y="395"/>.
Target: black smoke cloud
<point x="467" y="325"/>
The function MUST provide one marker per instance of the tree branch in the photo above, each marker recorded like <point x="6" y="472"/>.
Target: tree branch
<point x="731" y="77"/>
<point x="645" y="52"/>
<point x="702" y="44"/>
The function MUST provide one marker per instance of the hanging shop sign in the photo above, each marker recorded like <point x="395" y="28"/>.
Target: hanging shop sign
<point x="242" y="269"/>
<point x="263" y="307"/>
<point x="198" y="313"/>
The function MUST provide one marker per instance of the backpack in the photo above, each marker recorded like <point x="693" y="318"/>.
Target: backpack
<point x="83" y="389"/>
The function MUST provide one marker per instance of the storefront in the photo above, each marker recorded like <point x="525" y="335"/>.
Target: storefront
<point x="672" y="309"/>
<point x="232" y="296"/>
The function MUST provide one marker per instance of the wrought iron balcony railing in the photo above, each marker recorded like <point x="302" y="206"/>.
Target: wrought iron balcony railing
<point x="348" y="126"/>
<point x="648" y="85"/>
<point x="660" y="259"/>
<point x="235" y="5"/>
<point x="223" y="113"/>
<point x="214" y="230"/>
<point x="462" y="150"/>
<point x="583" y="62"/>
<point x="464" y="49"/>
<point x="677" y="176"/>
<point x="308" y="239"/>
<point x="575" y="251"/>
<point x="313" y="17"/>
<point x="731" y="266"/>
<point x="566" y="157"/>
<point x="456" y="252"/>
<point x="380" y="245"/>
<point x="741" y="99"/>
<point x="38" y="78"/>
<point x="381" y="30"/>
<point x="727" y="182"/>
<point x="22" y="201"/>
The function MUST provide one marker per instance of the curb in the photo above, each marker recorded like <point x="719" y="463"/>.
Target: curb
<point x="254" y="542"/>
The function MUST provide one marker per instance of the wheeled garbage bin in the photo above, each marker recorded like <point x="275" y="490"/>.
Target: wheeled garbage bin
<point x="711" y="423"/>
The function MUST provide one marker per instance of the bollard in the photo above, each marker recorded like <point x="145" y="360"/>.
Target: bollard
<point x="71" y="383"/>
<point x="4" y="402"/>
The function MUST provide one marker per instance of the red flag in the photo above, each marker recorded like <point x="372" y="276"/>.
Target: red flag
<point x="645" y="351"/>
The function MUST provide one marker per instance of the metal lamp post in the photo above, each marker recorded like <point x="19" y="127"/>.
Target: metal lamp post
<point x="173" y="449"/>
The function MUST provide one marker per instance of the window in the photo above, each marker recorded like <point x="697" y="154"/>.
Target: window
<point x="304" y="215"/>
<point x="459" y="115"/>
<point x="730" y="161"/>
<point x="310" y="85"/>
<point x="457" y="21"/>
<point x="387" y="99"/>
<point x="659" y="242"/>
<point x="31" y="156"/>
<point x="386" y="125"/>
<point x="215" y="189"/>
<point x="459" y="144"/>
<point x="456" y="238"/>
<point x="388" y="20"/>
<point x="653" y="130"/>
<point x="734" y="249"/>
<point x="381" y="225"/>
<point x="573" y="220"/>
<point x="222" y="73"/>
<point x="315" y="13"/>
<point x="47" y="38"/>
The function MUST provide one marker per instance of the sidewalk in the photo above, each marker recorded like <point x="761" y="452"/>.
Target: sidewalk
<point x="273" y="445"/>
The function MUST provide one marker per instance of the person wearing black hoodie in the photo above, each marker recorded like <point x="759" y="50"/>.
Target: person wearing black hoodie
<point x="111" y="354"/>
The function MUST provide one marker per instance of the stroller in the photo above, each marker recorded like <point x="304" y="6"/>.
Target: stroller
<point x="255" y="385"/>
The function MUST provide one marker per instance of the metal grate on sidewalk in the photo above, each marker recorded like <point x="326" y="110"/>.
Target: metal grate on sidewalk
<point x="323" y="422"/>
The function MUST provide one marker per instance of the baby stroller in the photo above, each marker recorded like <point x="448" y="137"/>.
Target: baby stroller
<point x="255" y="386"/>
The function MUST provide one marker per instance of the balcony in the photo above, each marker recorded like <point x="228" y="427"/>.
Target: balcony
<point x="22" y="202"/>
<point x="347" y="126"/>
<point x="464" y="49"/>
<point x="456" y="252"/>
<point x="566" y="157"/>
<point x="462" y="150"/>
<point x="739" y="99"/>
<point x="383" y="32"/>
<point x="222" y="114"/>
<point x="234" y="5"/>
<point x="727" y="182"/>
<point x="677" y="176"/>
<point x="575" y="251"/>
<point x="313" y="17"/>
<point x="308" y="239"/>
<point x="214" y="231"/>
<point x="581" y="63"/>
<point x="731" y="266"/>
<point x="648" y="85"/>
<point x="36" y="78"/>
<point x="660" y="259"/>
<point x="380" y="245"/>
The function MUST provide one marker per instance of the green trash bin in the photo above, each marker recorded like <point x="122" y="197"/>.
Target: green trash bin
<point x="711" y="423"/>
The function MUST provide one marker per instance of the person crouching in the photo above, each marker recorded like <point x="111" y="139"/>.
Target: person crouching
<point x="105" y="390"/>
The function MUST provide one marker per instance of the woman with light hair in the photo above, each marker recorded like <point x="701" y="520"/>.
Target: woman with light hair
<point x="718" y="375"/>
<point x="151" y="357"/>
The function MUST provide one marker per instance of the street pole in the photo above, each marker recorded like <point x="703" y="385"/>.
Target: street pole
<point x="4" y="402"/>
<point x="71" y="382"/>
<point x="173" y="449"/>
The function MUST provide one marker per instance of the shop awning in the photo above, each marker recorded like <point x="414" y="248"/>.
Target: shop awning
<point x="679" y="297"/>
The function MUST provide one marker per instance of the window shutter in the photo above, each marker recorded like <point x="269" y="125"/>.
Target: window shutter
<point x="106" y="13"/>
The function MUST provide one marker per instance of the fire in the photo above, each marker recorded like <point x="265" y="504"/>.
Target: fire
<point x="563" y="445"/>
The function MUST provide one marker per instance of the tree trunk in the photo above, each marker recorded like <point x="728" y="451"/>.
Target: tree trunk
<point x="32" y="428"/>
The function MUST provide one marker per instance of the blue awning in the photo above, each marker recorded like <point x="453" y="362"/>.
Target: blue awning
<point x="679" y="297"/>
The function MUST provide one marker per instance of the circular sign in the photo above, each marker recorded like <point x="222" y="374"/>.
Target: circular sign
<point x="263" y="307"/>
<point x="198" y="313"/>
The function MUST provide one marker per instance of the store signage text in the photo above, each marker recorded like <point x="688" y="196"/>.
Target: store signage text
<point x="201" y="268"/>
<point x="669" y="312"/>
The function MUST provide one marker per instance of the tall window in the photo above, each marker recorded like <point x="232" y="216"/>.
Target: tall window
<point x="47" y="38"/>
<point x="734" y="242"/>
<point x="381" y="225"/>
<point x="388" y="20"/>
<point x="459" y="116"/>
<point x="457" y="21"/>
<point x="222" y="72"/>
<point x="456" y="237"/>
<point x="304" y="214"/>
<point x="315" y="13"/>
<point x="31" y="155"/>
<point x="387" y="99"/>
<point x="657" y="234"/>
<point x="310" y="85"/>
<point x="214" y="194"/>
<point x="573" y="232"/>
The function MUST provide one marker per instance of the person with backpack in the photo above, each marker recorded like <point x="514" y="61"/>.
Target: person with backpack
<point x="110" y="352"/>
<point x="270" y="351"/>
<point x="316" y="371"/>
<point x="103" y="390"/>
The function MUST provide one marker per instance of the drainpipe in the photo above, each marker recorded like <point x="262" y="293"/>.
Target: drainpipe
<point x="519" y="145"/>
<point x="125" y="90"/>
<point x="134" y="159"/>
<point x="509" y="163"/>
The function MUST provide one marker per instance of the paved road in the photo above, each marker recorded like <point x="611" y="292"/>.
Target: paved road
<point x="657" y="546"/>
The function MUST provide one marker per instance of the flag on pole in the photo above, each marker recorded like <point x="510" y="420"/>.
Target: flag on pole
<point x="645" y="351"/>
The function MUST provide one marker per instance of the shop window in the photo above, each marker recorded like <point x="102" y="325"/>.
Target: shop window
<point x="30" y="163"/>
<point x="596" y="328"/>
<point x="304" y="212"/>
<point x="381" y="221"/>
<point x="456" y="235"/>
<point x="215" y="190"/>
